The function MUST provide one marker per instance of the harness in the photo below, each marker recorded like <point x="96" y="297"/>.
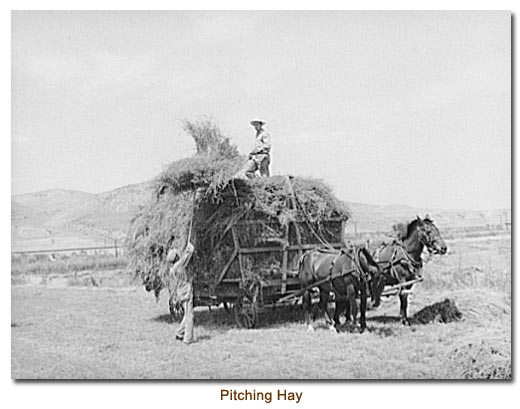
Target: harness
<point x="357" y="268"/>
<point x="400" y="257"/>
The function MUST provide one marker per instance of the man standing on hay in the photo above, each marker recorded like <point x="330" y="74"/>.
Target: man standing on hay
<point x="181" y="287"/>
<point x="260" y="156"/>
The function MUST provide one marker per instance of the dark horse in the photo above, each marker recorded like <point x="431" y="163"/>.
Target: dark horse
<point x="401" y="261"/>
<point x="345" y="273"/>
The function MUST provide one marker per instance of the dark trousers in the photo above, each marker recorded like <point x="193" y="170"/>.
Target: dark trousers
<point x="258" y="162"/>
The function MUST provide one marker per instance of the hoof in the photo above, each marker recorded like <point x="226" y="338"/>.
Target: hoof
<point x="406" y="322"/>
<point x="310" y="328"/>
<point x="333" y="329"/>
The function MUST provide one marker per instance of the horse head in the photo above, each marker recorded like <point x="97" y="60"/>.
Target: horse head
<point x="430" y="236"/>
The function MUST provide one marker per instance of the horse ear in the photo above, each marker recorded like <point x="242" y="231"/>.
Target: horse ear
<point x="418" y="218"/>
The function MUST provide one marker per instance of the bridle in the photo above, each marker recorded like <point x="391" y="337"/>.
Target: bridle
<point x="426" y="241"/>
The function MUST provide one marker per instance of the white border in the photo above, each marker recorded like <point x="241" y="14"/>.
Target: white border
<point x="199" y="394"/>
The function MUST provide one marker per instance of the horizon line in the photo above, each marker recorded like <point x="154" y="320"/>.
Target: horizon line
<point x="344" y="200"/>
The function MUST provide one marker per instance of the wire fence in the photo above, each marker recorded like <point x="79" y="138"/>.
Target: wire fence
<point x="115" y="250"/>
<point x="447" y="233"/>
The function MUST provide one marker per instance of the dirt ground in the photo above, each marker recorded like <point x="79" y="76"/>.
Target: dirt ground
<point x="63" y="332"/>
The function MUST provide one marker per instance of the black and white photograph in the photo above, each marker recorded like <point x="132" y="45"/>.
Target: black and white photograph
<point x="261" y="195"/>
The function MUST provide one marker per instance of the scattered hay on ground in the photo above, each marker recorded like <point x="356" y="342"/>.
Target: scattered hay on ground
<point x="485" y="358"/>
<point x="483" y="352"/>
<point x="482" y="305"/>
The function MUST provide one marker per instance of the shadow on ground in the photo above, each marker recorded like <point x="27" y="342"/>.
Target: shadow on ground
<point x="384" y="319"/>
<point x="221" y="318"/>
<point x="167" y="318"/>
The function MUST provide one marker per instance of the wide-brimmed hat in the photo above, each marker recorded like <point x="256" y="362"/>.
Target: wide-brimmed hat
<point x="257" y="121"/>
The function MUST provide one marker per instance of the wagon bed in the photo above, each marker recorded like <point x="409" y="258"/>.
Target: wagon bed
<point x="251" y="289"/>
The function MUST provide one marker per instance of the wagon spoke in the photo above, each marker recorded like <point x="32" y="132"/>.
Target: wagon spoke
<point x="245" y="312"/>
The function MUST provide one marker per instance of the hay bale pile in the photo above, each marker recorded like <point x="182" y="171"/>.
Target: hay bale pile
<point x="199" y="197"/>
<point x="442" y="312"/>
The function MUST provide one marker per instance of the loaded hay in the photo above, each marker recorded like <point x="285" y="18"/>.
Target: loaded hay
<point x="200" y="198"/>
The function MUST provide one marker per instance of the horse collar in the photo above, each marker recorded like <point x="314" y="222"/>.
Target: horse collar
<point x="415" y="263"/>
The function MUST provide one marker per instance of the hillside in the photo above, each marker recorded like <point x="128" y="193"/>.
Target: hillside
<point x="60" y="218"/>
<point x="373" y="218"/>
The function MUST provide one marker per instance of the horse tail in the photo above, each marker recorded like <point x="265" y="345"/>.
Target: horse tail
<point x="370" y="258"/>
<point x="300" y="263"/>
<point x="303" y="263"/>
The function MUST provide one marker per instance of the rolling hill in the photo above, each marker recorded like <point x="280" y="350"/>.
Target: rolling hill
<point x="59" y="218"/>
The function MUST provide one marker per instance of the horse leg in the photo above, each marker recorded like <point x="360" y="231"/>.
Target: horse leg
<point x="404" y="307"/>
<point x="363" y="306"/>
<point x="376" y="288"/>
<point x="307" y="304"/>
<point x="340" y="307"/>
<point x="351" y="299"/>
<point x="324" y="301"/>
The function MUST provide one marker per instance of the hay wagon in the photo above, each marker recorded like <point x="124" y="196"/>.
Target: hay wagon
<point x="257" y="276"/>
<point x="248" y="237"/>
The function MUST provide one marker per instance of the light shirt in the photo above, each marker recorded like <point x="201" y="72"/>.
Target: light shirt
<point x="180" y="281"/>
<point x="262" y="143"/>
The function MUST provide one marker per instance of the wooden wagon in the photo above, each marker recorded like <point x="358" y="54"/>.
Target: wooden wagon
<point x="255" y="278"/>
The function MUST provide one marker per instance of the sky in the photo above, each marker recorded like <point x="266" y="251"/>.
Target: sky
<point x="406" y="108"/>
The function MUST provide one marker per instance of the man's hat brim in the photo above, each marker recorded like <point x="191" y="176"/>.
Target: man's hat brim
<point x="257" y="121"/>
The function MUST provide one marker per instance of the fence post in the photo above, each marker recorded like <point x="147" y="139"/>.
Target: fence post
<point x="115" y="246"/>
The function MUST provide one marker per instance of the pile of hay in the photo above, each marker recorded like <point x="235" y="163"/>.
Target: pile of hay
<point x="199" y="197"/>
<point x="442" y="311"/>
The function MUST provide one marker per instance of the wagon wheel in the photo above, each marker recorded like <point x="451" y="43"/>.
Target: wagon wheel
<point x="246" y="311"/>
<point x="176" y="310"/>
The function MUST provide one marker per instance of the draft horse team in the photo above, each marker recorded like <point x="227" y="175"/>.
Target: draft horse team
<point x="353" y="272"/>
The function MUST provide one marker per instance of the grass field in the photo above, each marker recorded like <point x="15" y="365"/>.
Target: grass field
<point x="43" y="265"/>
<point x="108" y="331"/>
